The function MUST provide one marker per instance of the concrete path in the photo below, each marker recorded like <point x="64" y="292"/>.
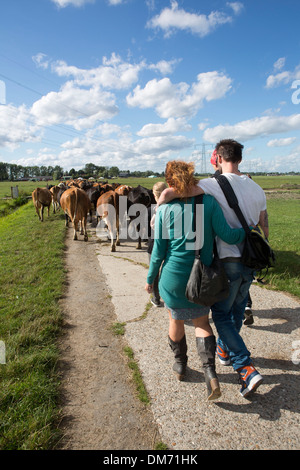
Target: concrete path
<point x="269" y="420"/>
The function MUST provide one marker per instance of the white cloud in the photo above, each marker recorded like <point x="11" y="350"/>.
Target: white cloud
<point x="74" y="3"/>
<point x="283" y="163"/>
<point x="279" y="64"/>
<point x="164" y="67"/>
<point x="150" y="4"/>
<point x="78" y="107"/>
<point x="282" y="77"/>
<point x="174" y="18"/>
<point x="107" y="129"/>
<point x="281" y="142"/>
<point x="16" y="126"/>
<point x="252" y="128"/>
<point x="202" y="125"/>
<point x="279" y="79"/>
<point x="40" y="60"/>
<point x="148" y="152"/>
<point x="113" y="74"/>
<point x="236" y="6"/>
<point x="115" y="2"/>
<point x="171" y="126"/>
<point x="178" y="100"/>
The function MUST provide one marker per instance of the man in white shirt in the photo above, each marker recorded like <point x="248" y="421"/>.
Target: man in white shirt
<point x="228" y="314"/>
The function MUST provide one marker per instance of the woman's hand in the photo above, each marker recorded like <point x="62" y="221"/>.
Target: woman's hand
<point x="149" y="288"/>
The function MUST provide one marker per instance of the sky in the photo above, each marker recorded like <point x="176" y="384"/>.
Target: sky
<point x="136" y="83"/>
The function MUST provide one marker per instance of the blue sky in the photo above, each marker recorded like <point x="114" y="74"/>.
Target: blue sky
<point x="135" y="83"/>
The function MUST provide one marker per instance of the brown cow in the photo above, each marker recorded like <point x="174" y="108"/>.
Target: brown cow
<point x="123" y="190"/>
<point x="41" y="198"/>
<point x="54" y="190"/>
<point x="76" y="205"/>
<point x="108" y="210"/>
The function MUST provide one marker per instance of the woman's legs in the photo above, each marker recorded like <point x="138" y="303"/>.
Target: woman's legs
<point x="177" y="342"/>
<point x="206" y="346"/>
<point x="202" y="327"/>
<point x="176" y="329"/>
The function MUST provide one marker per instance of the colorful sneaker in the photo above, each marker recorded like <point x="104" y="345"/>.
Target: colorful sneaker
<point x="250" y="379"/>
<point x="223" y="356"/>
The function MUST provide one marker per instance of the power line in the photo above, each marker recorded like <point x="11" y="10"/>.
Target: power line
<point x="78" y="133"/>
<point x="41" y="94"/>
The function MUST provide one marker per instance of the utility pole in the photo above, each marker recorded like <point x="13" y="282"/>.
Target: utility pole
<point x="202" y="156"/>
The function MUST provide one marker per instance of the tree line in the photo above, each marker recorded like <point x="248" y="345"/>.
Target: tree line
<point x="14" y="172"/>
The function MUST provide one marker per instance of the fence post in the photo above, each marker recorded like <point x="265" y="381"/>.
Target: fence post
<point x="14" y="192"/>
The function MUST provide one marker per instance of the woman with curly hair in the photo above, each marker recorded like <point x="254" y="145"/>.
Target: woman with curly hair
<point x="174" y="253"/>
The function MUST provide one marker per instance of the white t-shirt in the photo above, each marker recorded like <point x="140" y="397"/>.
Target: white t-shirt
<point x="252" y="201"/>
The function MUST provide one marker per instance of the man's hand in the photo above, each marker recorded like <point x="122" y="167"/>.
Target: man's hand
<point x="169" y="194"/>
<point x="264" y="223"/>
<point x="166" y="196"/>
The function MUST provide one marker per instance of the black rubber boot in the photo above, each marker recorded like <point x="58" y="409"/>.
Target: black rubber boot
<point x="207" y="349"/>
<point x="179" y="349"/>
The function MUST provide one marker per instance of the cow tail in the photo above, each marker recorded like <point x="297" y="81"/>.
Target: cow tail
<point x="38" y="196"/>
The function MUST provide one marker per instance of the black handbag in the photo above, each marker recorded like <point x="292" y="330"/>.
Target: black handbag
<point x="206" y="284"/>
<point x="257" y="253"/>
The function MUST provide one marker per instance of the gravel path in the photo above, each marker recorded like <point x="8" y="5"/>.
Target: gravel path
<point x="180" y="411"/>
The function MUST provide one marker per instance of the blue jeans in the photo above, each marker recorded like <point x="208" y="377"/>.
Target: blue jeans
<point x="228" y="314"/>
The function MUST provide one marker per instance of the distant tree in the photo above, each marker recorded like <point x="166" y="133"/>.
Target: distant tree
<point x="57" y="172"/>
<point x="114" y="171"/>
<point x="43" y="171"/>
<point x="3" y="171"/>
<point x="73" y="173"/>
<point x="91" y="169"/>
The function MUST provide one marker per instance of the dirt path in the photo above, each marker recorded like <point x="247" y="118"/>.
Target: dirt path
<point x="100" y="407"/>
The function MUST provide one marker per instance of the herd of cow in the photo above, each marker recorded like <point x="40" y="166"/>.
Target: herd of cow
<point x="79" y="198"/>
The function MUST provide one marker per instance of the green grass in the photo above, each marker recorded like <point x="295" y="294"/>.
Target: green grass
<point x="281" y="182"/>
<point x="284" y="216"/>
<point x="25" y="187"/>
<point x="32" y="280"/>
<point x="10" y="205"/>
<point x="136" y="376"/>
<point x="118" y="328"/>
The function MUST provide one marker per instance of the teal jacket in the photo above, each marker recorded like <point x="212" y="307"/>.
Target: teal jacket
<point x="173" y="245"/>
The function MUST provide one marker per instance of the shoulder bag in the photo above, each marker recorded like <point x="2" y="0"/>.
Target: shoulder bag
<point x="206" y="284"/>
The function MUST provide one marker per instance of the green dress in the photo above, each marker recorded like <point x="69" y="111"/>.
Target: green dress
<point x="173" y="246"/>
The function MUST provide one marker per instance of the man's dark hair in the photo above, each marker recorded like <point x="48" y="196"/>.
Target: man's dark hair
<point x="230" y="150"/>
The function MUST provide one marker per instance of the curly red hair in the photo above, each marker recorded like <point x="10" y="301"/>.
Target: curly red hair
<point x="180" y="176"/>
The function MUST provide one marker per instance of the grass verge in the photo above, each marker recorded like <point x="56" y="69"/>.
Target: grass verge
<point x="284" y="216"/>
<point x="32" y="280"/>
<point x="10" y="205"/>
<point x="137" y="377"/>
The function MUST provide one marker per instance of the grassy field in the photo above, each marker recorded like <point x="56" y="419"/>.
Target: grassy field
<point x="284" y="217"/>
<point x="32" y="279"/>
<point x="281" y="183"/>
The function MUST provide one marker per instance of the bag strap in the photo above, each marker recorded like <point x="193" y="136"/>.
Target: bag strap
<point x="232" y="200"/>
<point x="197" y="200"/>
